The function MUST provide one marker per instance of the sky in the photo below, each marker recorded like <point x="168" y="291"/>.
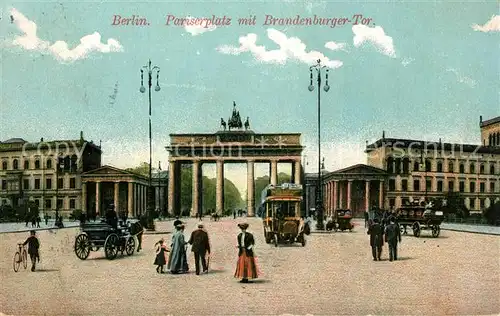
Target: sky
<point x="421" y="70"/>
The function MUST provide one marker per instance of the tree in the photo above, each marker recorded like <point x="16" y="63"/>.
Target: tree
<point x="142" y="169"/>
<point x="492" y="213"/>
<point x="455" y="204"/>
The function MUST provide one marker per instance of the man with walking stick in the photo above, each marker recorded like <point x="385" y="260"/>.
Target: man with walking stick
<point x="200" y="246"/>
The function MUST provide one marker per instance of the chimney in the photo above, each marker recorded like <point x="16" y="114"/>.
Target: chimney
<point x="383" y="134"/>
<point x="81" y="135"/>
<point x="41" y="140"/>
<point x="440" y="140"/>
<point x="480" y="118"/>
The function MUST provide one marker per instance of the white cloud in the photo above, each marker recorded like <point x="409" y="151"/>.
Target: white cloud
<point x="376" y="36"/>
<point x="199" y="26"/>
<point x="407" y="60"/>
<point x="60" y="50"/>
<point x="493" y="25"/>
<point x="337" y="155"/>
<point x="291" y="48"/>
<point x="336" y="46"/>
<point x="462" y="79"/>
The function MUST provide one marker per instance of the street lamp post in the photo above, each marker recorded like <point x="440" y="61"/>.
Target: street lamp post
<point x="150" y="71"/>
<point x="319" y="192"/>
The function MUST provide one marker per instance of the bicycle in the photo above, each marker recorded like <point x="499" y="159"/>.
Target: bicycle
<point x="20" y="256"/>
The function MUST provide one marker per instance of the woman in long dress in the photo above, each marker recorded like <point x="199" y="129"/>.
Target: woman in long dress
<point x="177" y="261"/>
<point x="245" y="268"/>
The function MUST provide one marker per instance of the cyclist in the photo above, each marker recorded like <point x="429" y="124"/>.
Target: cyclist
<point x="33" y="246"/>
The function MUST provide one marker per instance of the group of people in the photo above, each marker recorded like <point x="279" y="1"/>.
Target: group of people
<point x="380" y="234"/>
<point x="175" y="257"/>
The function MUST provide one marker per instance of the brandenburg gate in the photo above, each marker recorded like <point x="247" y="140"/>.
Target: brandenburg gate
<point x="229" y="146"/>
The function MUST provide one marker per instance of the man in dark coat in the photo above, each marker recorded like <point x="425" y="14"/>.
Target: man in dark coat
<point x="200" y="245"/>
<point x="33" y="246"/>
<point x="392" y="237"/>
<point x="112" y="217"/>
<point x="376" y="239"/>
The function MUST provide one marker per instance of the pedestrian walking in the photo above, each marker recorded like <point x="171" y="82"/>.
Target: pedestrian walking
<point x="392" y="237"/>
<point x="200" y="246"/>
<point x="33" y="249"/>
<point x="376" y="239"/>
<point x="177" y="261"/>
<point x="161" y="255"/>
<point x="246" y="267"/>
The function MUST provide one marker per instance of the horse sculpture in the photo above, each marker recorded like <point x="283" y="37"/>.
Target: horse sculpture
<point x="222" y="123"/>
<point x="247" y="124"/>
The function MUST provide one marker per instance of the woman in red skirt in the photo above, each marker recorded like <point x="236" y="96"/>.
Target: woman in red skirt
<point x="246" y="267"/>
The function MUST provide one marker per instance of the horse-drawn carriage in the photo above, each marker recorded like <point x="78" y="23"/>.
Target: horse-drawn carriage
<point x="93" y="236"/>
<point x="419" y="218"/>
<point x="281" y="211"/>
<point x="341" y="221"/>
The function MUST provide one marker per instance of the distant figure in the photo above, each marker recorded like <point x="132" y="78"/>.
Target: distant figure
<point x="376" y="239"/>
<point x="112" y="218"/>
<point x="46" y="219"/>
<point x="33" y="247"/>
<point x="392" y="237"/>
<point x="38" y="220"/>
<point x="200" y="247"/>
<point x="82" y="219"/>
<point x="234" y="214"/>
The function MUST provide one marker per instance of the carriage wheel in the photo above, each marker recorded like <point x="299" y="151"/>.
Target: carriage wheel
<point x="25" y="259"/>
<point x="82" y="246"/>
<point x="435" y="231"/>
<point x="276" y="240"/>
<point x="111" y="246"/>
<point x="130" y="246"/>
<point x="416" y="229"/>
<point x="303" y="240"/>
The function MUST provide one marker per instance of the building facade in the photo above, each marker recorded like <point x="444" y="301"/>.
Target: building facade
<point x="407" y="170"/>
<point x="47" y="173"/>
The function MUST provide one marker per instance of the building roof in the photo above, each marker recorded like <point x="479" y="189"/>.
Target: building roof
<point x="110" y="170"/>
<point x="430" y="145"/>
<point x="19" y="144"/>
<point x="14" y="141"/>
<point x="489" y="122"/>
<point x="360" y="168"/>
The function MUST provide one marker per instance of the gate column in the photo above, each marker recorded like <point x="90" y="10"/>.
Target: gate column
<point x="219" y="202"/>
<point x="171" y="188"/>
<point x="250" y="189"/>
<point x="196" y="189"/>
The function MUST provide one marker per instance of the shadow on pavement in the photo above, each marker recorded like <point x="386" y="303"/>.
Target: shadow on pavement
<point x="257" y="281"/>
<point x="47" y="270"/>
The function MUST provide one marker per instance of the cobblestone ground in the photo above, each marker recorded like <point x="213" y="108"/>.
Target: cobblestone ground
<point x="457" y="273"/>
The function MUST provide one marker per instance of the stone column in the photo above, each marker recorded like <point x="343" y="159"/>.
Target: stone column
<point x="196" y="189"/>
<point x="341" y="195"/>
<point x="171" y="188"/>
<point x="144" y="199"/>
<point x="117" y="197"/>
<point x="349" y="185"/>
<point x="84" y="198"/>
<point x="298" y="172"/>
<point x="335" y="189"/>
<point x="381" y="194"/>
<point x="97" y="197"/>
<point x="274" y="172"/>
<point x="136" y="200"/>
<point x="250" y="188"/>
<point x="219" y="190"/>
<point x="130" y="202"/>
<point x="367" y="195"/>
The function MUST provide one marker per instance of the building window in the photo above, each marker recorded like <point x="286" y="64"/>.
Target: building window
<point x="48" y="184"/>
<point x="392" y="202"/>
<point x="26" y="164"/>
<point x="416" y="185"/>
<point x="37" y="164"/>
<point x="15" y="164"/>
<point x="462" y="168"/>
<point x="74" y="163"/>
<point x="428" y="165"/>
<point x="472" y="168"/>
<point x="451" y="185"/>
<point x="49" y="164"/>
<point x="440" y="186"/>
<point x="404" y="185"/>
<point x="439" y="166"/>
<point x="72" y="183"/>
<point x="60" y="183"/>
<point x="482" y="187"/>
<point x="390" y="165"/>
<point x="451" y="166"/>
<point x="416" y="166"/>
<point x="4" y="184"/>
<point x="428" y="185"/>
<point x="481" y="169"/>
<point x="492" y="169"/>
<point x="37" y="184"/>
<point x="72" y="203"/>
<point x="37" y="203"/>
<point x="397" y="163"/>
<point x="4" y="165"/>
<point x="406" y="165"/>
<point x="59" y="203"/>
<point x="26" y="184"/>
<point x="462" y="186"/>
<point x="481" y="203"/>
<point x="492" y="187"/>
<point x="48" y="204"/>
<point x="472" y="186"/>
<point x="405" y="201"/>
<point x="392" y="185"/>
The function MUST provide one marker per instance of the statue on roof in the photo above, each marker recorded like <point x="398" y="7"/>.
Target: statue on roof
<point x="235" y="120"/>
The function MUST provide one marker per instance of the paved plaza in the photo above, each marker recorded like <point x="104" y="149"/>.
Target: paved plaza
<point x="457" y="273"/>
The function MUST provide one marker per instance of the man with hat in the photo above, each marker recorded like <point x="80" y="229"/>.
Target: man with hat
<point x="246" y="267"/>
<point x="392" y="237"/>
<point x="200" y="245"/>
